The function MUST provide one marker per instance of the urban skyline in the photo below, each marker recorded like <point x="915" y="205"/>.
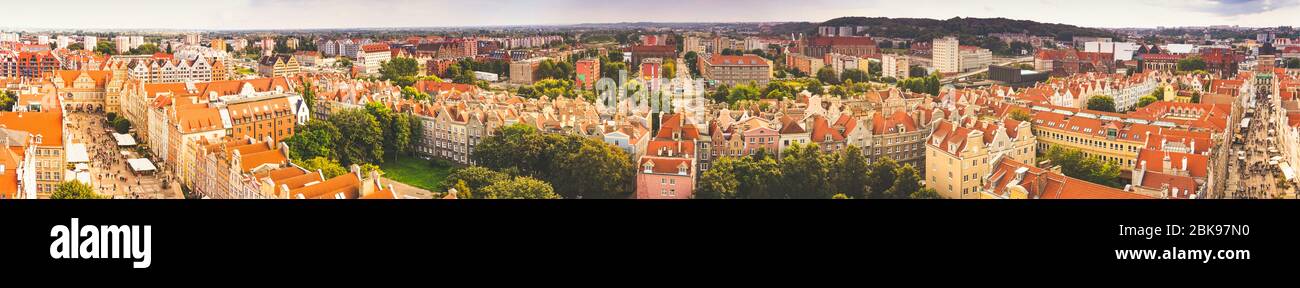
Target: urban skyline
<point x="335" y="14"/>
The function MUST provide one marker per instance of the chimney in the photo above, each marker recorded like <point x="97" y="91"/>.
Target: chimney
<point x="1185" y="165"/>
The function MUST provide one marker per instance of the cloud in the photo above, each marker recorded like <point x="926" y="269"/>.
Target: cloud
<point x="1232" y="8"/>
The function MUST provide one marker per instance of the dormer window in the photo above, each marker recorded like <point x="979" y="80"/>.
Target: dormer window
<point x="681" y="170"/>
<point x="648" y="167"/>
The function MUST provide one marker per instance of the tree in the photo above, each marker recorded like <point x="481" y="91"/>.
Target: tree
<point x="1292" y="63"/>
<point x="1075" y="164"/>
<point x="1193" y="63"/>
<point x="410" y="93"/>
<point x="516" y="147"/>
<point x="850" y="173"/>
<point x="827" y="75"/>
<point x="1019" y="115"/>
<point x="309" y="94"/>
<point x="105" y="48"/>
<point x="587" y="168"/>
<point x="145" y="49"/>
<point x="345" y="63"/>
<point x="76" y="46"/>
<point x="692" y="62"/>
<point x="7" y="100"/>
<point x="549" y="87"/>
<point x="925" y="193"/>
<point x="995" y="45"/>
<point x="854" y="75"/>
<point x="518" y="188"/>
<point x="1146" y="100"/>
<point x="720" y="181"/>
<point x="915" y="71"/>
<point x="328" y="168"/>
<point x="316" y="139"/>
<point x="474" y="177"/>
<point x="579" y="167"/>
<point x="805" y="172"/>
<point x="363" y="143"/>
<point x="668" y="70"/>
<point x="882" y="177"/>
<point x="121" y="125"/>
<point x="74" y="190"/>
<point x="906" y="182"/>
<point x="401" y="70"/>
<point x="1020" y="48"/>
<point x="742" y="92"/>
<point x="462" y="190"/>
<point x="1101" y="103"/>
<point x="1196" y="96"/>
<point x="551" y="69"/>
<point x="396" y="128"/>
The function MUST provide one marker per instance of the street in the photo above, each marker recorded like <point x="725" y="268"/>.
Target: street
<point x="1254" y="173"/>
<point x="110" y="173"/>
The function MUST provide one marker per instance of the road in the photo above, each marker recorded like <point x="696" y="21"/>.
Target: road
<point x="109" y="171"/>
<point x="949" y="80"/>
<point x="1251" y="175"/>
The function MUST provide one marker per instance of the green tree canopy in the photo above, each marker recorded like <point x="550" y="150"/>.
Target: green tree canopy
<point x="1019" y="115"/>
<point x="327" y="167"/>
<point x="364" y="141"/>
<point x="1101" y="103"/>
<point x="1146" y="100"/>
<point x="827" y="75"/>
<point x="854" y="75"/>
<point x="396" y="129"/>
<point x="518" y="188"/>
<point x="316" y="139"/>
<point x="75" y="190"/>
<point x="1075" y="163"/>
<point x="401" y="71"/>
<point x="579" y="167"/>
<point x="1191" y="64"/>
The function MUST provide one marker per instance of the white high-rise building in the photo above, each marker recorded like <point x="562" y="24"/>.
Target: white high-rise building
<point x="9" y="37"/>
<point x="64" y="41"/>
<point x="89" y="42"/>
<point x="43" y="39"/>
<point x="192" y="39"/>
<point x="945" y="53"/>
<point x="974" y="58"/>
<point x="122" y="44"/>
<point x="136" y="41"/>
<point x="896" y="66"/>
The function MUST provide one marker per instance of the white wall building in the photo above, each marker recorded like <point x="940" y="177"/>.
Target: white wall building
<point x="896" y="66"/>
<point x="945" y="55"/>
<point x="89" y="42"/>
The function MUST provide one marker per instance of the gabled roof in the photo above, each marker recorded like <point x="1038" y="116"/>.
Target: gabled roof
<point x="1044" y="184"/>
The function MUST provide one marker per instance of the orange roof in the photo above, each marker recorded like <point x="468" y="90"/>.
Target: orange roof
<point x="665" y="165"/>
<point x="1197" y="165"/>
<point x="48" y="125"/>
<point x="348" y="185"/>
<point x="100" y="77"/>
<point x="199" y="119"/>
<point x="9" y="178"/>
<point x="253" y="160"/>
<point x="1043" y="184"/>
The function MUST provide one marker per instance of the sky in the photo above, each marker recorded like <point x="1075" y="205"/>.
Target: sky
<point x="313" y="14"/>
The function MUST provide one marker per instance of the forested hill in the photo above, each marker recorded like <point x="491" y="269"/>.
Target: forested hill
<point x="925" y="29"/>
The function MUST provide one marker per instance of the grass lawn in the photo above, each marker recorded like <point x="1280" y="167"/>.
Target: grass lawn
<point x="415" y="172"/>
